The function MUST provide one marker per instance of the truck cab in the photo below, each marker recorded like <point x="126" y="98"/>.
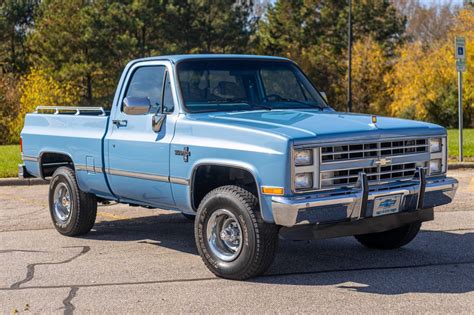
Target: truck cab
<point x="250" y="148"/>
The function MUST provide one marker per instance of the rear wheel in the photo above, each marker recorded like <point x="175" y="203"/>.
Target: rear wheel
<point x="390" y="239"/>
<point x="231" y="236"/>
<point x="73" y="211"/>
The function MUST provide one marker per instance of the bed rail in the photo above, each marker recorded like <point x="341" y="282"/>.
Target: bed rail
<point x="57" y="110"/>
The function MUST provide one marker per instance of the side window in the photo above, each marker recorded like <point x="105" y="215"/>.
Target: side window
<point x="168" y="103"/>
<point x="148" y="82"/>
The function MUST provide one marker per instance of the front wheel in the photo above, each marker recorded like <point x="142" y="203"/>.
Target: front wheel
<point x="233" y="240"/>
<point x="390" y="239"/>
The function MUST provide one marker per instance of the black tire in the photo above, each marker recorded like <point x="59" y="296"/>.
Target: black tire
<point x="259" y="239"/>
<point x="83" y="206"/>
<point x="190" y="217"/>
<point x="390" y="239"/>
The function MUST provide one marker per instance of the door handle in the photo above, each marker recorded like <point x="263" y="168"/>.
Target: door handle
<point x="119" y="123"/>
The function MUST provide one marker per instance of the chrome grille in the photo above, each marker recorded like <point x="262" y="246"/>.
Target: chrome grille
<point x="382" y="161"/>
<point x="348" y="177"/>
<point x="373" y="149"/>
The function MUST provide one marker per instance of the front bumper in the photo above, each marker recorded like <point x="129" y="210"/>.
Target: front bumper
<point x="355" y="204"/>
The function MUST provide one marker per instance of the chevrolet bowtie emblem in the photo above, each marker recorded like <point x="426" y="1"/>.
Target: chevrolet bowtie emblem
<point x="382" y="162"/>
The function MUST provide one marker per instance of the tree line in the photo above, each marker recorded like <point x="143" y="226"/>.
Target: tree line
<point x="71" y="52"/>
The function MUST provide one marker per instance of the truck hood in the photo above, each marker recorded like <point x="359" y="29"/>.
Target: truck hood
<point x="325" y="126"/>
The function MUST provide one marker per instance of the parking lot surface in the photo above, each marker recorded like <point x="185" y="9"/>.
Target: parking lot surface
<point x="138" y="260"/>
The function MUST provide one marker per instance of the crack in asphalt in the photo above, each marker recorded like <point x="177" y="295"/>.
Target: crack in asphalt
<point x="30" y="268"/>
<point x="68" y="306"/>
<point x="284" y="274"/>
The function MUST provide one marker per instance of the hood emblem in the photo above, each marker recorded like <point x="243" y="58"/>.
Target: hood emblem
<point x="382" y="162"/>
<point x="374" y="119"/>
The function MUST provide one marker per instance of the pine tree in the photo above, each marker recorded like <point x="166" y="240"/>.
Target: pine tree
<point x="314" y="33"/>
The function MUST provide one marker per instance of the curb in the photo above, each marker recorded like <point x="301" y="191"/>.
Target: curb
<point x="460" y="165"/>
<point x="13" y="181"/>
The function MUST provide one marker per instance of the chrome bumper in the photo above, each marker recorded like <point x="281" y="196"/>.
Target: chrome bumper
<point x="22" y="172"/>
<point x="357" y="204"/>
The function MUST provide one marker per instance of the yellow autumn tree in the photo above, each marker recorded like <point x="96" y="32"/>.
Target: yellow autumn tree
<point x="369" y="66"/>
<point x="423" y="82"/>
<point x="38" y="88"/>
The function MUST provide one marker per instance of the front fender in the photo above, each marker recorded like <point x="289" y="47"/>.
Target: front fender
<point x="183" y="194"/>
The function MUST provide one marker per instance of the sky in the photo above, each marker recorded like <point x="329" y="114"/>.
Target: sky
<point x="430" y="2"/>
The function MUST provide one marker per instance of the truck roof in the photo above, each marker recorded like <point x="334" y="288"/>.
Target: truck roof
<point x="177" y="58"/>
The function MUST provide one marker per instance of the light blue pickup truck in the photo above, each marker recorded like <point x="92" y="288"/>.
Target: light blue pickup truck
<point x="248" y="148"/>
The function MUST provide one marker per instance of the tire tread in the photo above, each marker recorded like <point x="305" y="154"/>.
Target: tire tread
<point x="391" y="239"/>
<point x="266" y="234"/>
<point x="85" y="203"/>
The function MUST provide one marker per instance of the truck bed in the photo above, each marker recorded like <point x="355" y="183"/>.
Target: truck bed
<point x="77" y="133"/>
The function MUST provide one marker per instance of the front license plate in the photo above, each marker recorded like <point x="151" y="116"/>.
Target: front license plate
<point x="386" y="205"/>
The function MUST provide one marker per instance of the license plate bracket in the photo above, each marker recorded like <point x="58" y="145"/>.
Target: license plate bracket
<point x="386" y="205"/>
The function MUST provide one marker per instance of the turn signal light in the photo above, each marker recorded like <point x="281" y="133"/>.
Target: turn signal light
<point x="272" y="190"/>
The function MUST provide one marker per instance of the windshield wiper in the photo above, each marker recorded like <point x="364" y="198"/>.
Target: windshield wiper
<point x="284" y="99"/>
<point x="311" y="105"/>
<point x="226" y="101"/>
<point x="257" y="107"/>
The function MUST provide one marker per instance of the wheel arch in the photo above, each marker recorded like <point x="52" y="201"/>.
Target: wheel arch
<point x="229" y="165"/>
<point x="50" y="161"/>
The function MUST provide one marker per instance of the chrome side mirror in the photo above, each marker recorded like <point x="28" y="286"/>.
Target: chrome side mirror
<point x="157" y="121"/>
<point x="323" y="94"/>
<point x="136" y="105"/>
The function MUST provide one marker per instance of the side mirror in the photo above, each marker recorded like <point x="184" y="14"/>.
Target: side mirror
<point x="136" y="105"/>
<point x="323" y="94"/>
<point x="157" y="121"/>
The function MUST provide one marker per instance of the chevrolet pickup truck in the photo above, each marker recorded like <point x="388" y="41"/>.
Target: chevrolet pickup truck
<point x="248" y="148"/>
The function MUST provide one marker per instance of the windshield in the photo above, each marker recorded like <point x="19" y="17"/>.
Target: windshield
<point x="230" y="85"/>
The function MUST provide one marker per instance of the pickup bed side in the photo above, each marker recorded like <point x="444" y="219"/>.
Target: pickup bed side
<point x="77" y="140"/>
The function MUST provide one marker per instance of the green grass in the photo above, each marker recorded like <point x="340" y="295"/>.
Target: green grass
<point x="10" y="154"/>
<point x="10" y="157"/>
<point x="453" y="144"/>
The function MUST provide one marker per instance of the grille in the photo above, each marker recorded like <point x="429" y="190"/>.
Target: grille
<point x="349" y="177"/>
<point x="402" y="158"/>
<point x="373" y="150"/>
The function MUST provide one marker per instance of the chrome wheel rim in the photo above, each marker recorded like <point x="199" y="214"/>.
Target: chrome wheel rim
<point x="62" y="202"/>
<point x="224" y="235"/>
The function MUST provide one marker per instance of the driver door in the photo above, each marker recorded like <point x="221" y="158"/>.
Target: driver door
<point x="138" y="156"/>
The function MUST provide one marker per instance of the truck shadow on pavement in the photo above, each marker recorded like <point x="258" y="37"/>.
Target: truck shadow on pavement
<point x="435" y="262"/>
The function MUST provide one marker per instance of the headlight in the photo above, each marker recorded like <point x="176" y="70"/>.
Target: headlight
<point x="435" y="145"/>
<point x="303" y="180"/>
<point x="435" y="166"/>
<point x="303" y="157"/>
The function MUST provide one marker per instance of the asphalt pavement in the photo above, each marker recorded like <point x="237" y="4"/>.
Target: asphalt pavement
<point x="138" y="260"/>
